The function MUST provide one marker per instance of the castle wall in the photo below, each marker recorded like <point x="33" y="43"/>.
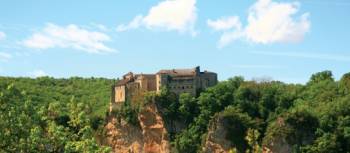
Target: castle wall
<point x="142" y="83"/>
<point x="161" y="80"/>
<point x="186" y="84"/>
<point x="148" y="82"/>
<point x="120" y="94"/>
<point x="208" y="79"/>
<point x="158" y="83"/>
<point x="180" y="85"/>
<point x="151" y="83"/>
<point x="132" y="89"/>
<point x="176" y="80"/>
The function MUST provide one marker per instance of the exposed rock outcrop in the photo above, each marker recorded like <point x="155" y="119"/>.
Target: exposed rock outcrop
<point x="216" y="141"/>
<point x="282" y="136"/>
<point x="277" y="146"/>
<point x="124" y="137"/>
<point x="150" y="137"/>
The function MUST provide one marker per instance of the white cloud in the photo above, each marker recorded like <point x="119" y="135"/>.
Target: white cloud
<point x="5" y="56"/>
<point x="272" y="22"/>
<point x="225" y="23"/>
<point x="2" y="35"/>
<point x="178" y="15"/>
<point x="135" y="23"/>
<point x="269" y="22"/>
<point x="71" y="36"/>
<point x="38" y="73"/>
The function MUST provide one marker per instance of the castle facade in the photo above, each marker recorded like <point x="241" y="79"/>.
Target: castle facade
<point x="176" y="80"/>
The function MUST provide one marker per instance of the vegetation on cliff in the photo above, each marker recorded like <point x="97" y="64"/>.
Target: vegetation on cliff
<point x="310" y="118"/>
<point x="56" y="115"/>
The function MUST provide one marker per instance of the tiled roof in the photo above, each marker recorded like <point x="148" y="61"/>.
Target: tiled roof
<point x="183" y="72"/>
<point x="147" y="75"/>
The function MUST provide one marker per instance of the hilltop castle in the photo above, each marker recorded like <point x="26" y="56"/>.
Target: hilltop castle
<point x="176" y="80"/>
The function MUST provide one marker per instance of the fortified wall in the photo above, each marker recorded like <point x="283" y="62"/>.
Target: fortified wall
<point x="176" y="80"/>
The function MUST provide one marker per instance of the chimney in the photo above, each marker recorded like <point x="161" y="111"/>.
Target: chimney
<point x="197" y="70"/>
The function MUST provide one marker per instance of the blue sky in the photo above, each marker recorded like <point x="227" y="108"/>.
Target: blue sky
<point x="285" y="40"/>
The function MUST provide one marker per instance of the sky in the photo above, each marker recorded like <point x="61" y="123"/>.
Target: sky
<point x="286" y="40"/>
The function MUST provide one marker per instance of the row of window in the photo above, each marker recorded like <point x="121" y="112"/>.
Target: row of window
<point x="181" y="87"/>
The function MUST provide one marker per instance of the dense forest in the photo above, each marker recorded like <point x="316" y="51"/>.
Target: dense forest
<point x="53" y="115"/>
<point x="68" y="115"/>
<point x="310" y="118"/>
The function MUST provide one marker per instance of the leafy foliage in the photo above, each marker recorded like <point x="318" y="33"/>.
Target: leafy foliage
<point x="64" y="115"/>
<point x="52" y="115"/>
<point x="312" y="118"/>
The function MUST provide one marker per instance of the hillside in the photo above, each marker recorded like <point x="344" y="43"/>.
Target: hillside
<point x="240" y="116"/>
<point x="69" y="115"/>
<point x="52" y="115"/>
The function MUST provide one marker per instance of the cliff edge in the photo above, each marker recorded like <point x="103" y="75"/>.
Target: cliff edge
<point x="150" y="136"/>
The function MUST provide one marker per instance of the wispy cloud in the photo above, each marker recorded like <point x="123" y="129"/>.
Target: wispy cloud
<point x="268" y="22"/>
<point x="134" y="24"/>
<point x="4" y="57"/>
<point x="2" y="35"/>
<point x="257" y="66"/>
<point x="38" y="73"/>
<point x="71" y="36"/>
<point x="178" y="15"/>
<point x="318" y="56"/>
<point x="99" y="26"/>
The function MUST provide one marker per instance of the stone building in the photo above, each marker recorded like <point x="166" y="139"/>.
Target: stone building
<point x="131" y="85"/>
<point x="176" y="80"/>
<point x="185" y="80"/>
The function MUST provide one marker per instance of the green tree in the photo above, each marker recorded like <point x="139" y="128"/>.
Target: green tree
<point x="188" y="107"/>
<point x="252" y="139"/>
<point x="321" y="76"/>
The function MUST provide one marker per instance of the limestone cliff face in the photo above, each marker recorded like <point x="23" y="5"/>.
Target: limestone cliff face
<point x="150" y="137"/>
<point x="216" y="141"/>
<point x="123" y="137"/>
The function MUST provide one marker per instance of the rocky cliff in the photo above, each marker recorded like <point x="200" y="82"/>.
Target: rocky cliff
<point x="216" y="141"/>
<point x="150" y="137"/>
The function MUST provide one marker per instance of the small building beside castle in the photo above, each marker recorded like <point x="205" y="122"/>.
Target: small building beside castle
<point x="176" y="80"/>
